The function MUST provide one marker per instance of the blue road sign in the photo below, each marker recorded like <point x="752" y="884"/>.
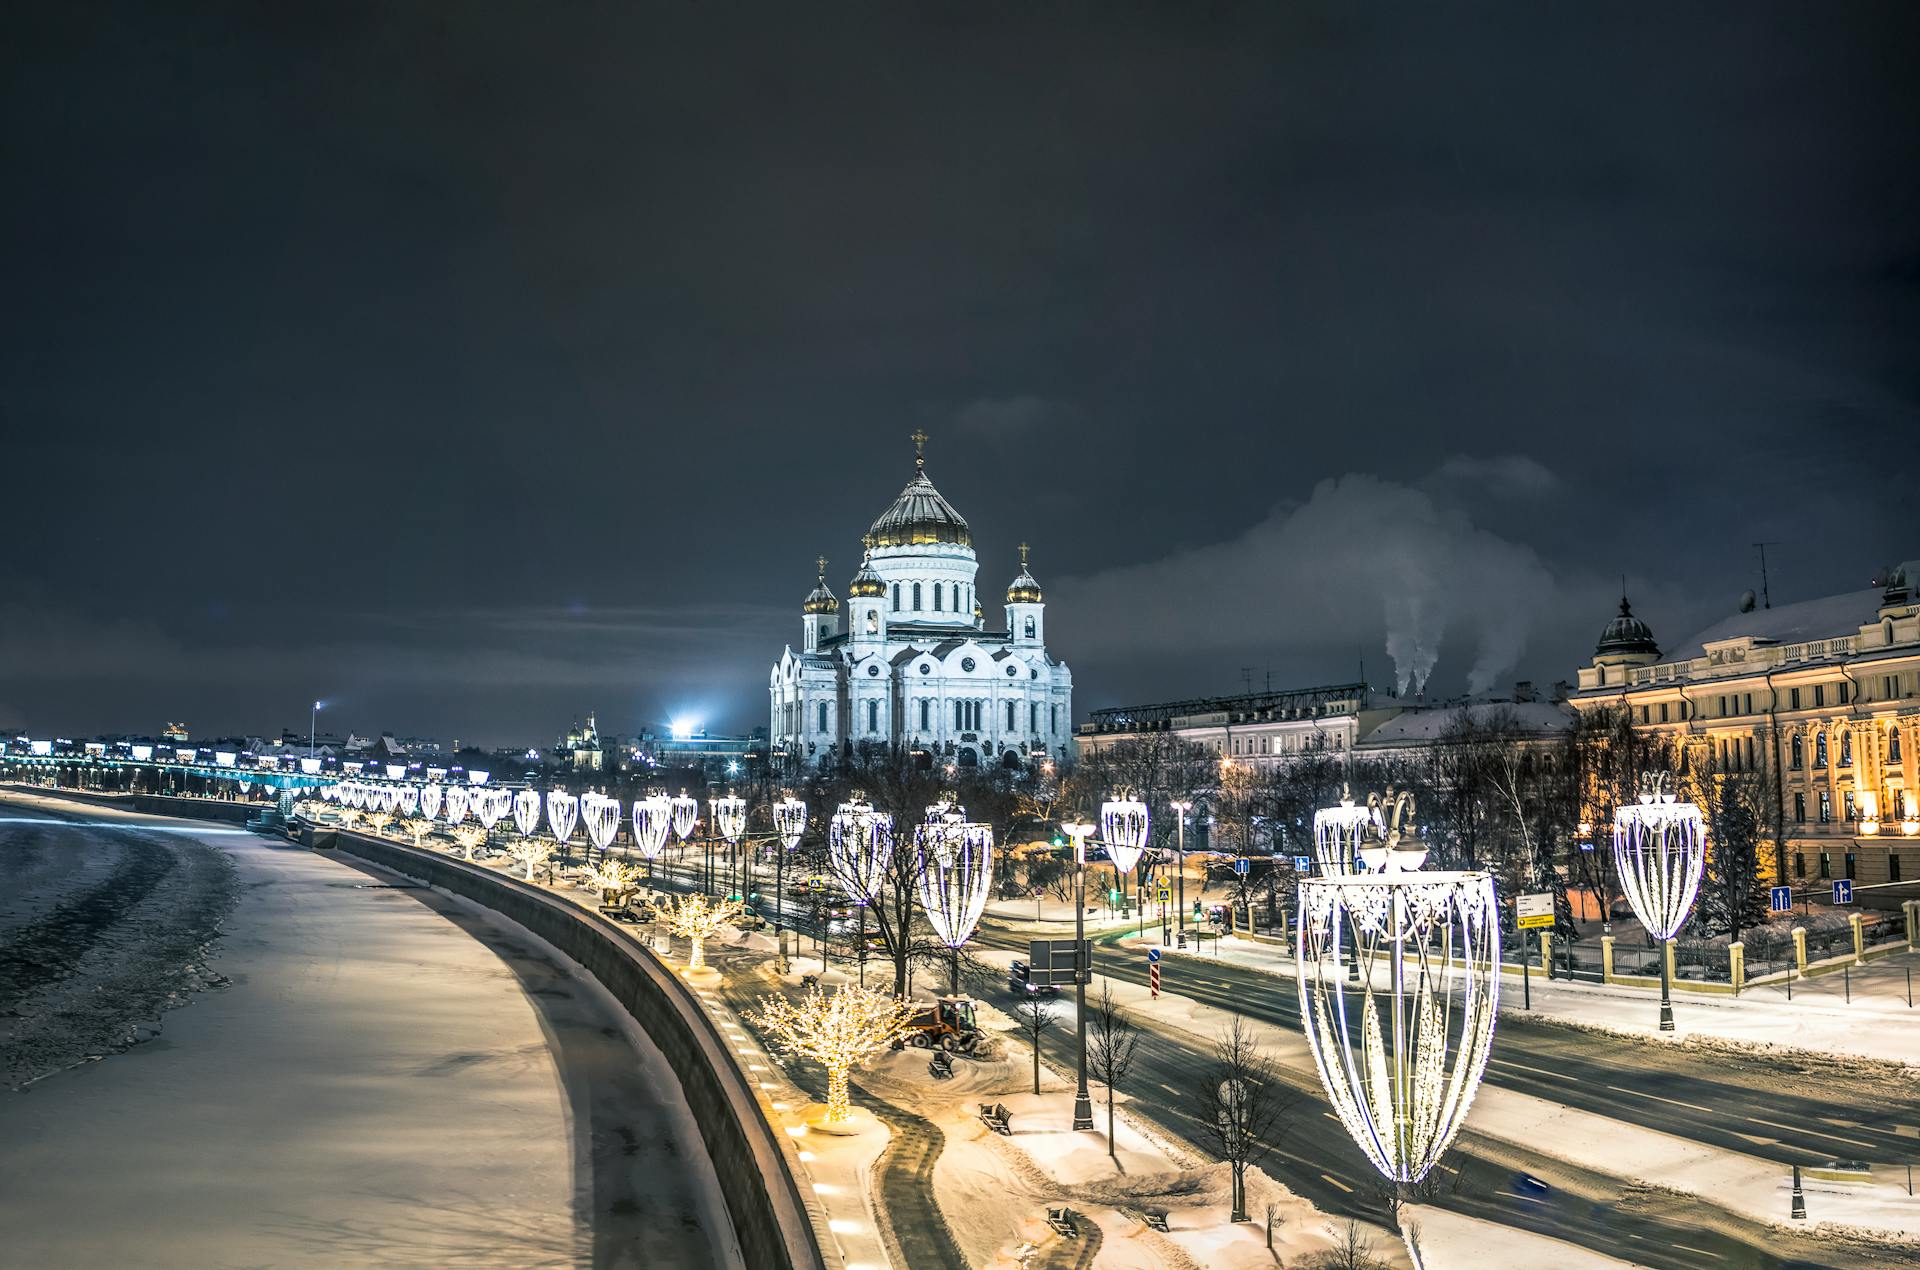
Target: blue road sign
<point x="1780" y="899"/>
<point x="1303" y="862"/>
<point x="1843" y="891"/>
<point x="1153" y="955"/>
<point x="1241" y="867"/>
<point x="1586" y="846"/>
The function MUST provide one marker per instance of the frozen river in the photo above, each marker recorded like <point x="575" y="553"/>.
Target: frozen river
<point x="359" y="1071"/>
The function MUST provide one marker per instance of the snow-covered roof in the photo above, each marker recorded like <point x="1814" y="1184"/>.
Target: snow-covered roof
<point x="1424" y="725"/>
<point x="1824" y="618"/>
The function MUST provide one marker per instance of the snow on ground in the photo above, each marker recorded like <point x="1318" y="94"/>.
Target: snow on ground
<point x="1455" y="1241"/>
<point x="1877" y="1025"/>
<point x="384" y="1080"/>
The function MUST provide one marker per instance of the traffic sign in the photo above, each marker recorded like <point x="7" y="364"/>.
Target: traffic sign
<point x="1051" y="962"/>
<point x="1153" y="956"/>
<point x="1303" y="862"/>
<point x="1843" y="890"/>
<point x="1536" y="910"/>
<point x="1241" y="867"/>
<point x="1780" y="899"/>
<point x="1164" y="891"/>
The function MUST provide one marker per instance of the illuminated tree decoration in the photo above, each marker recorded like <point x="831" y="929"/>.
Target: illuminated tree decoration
<point x="954" y="866"/>
<point x="697" y="919"/>
<point x="526" y="812"/>
<point x="531" y="853"/>
<point x="416" y="828"/>
<point x="458" y="800"/>
<point x="562" y="809"/>
<point x="840" y="1031"/>
<point x="601" y="815"/>
<point x="430" y="799"/>
<point x="469" y="837"/>
<point x="652" y="818"/>
<point x="380" y="819"/>
<point x="1123" y="827"/>
<point x="686" y="813"/>
<point x="409" y="800"/>
<point x="1659" y="849"/>
<point x="729" y="816"/>
<point x="859" y="846"/>
<point x="613" y="877"/>
<point x="790" y="821"/>
<point x="1402" y="1075"/>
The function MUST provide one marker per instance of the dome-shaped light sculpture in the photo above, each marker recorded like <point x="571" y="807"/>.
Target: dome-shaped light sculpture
<point x="729" y="820"/>
<point x="859" y="849"/>
<point x="490" y="807"/>
<point x="1123" y="828"/>
<point x="954" y="866"/>
<point x="790" y="824"/>
<point x="526" y="812"/>
<point x="562" y="810"/>
<point x="652" y="819"/>
<point x="458" y="800"/>
<point x="1402" y="1075"/>
<point x="1337" y="835"/>
<point x="409" y="800"/>
<point x="601" y="815"/>
<point x="431" y="797"/>
<point x="686" y="813"/>
<point x="1659" y="849"/>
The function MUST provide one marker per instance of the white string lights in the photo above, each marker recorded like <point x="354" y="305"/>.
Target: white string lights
<point x="490" y="806"/>
<point x="1659" y="850"/>
<point x="601" y="815"/>
<point x="430" y="799"/>
<point x="686" y="813"/>
<point x="409" y="800"/>
<point x="562" y="809"/>
<point x="859" y="846"/>
<point x="729" y="816"/>
<point x="790" y="821"/>
<point x="652" y="818"/>
<point x="526" y="812"/>
<point x="457" y="800"/>
<point x="1337" y="835"/>
<point x="1401" y="1075"/>
<point x="954" y="866"/>
<point x="1123" y="828"/>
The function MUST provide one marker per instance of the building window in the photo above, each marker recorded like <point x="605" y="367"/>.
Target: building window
<point x="1030" y="628"/>
<point x="926" y="708"/>
<point x="1820" y="749"/>
<point x="1053" y="719"/>
<point x="896" y="597"/>
<point x="1826" y="865"/>
<point x="1819" y="695"/>
<point x="1033" y="716"/>
<point x="1846" y="805"/>
<point x="823" y="716"/>
<point x="1799" y="864"/>
<point x="1643" y="715"/>
<point x="1846" y="749"/>
<point x="1663" y="712"/>
<point x="1746" y="706"/>
<point x="1893" y="866"/>
<point x="1749" y="753"/>
<point x="916" y="597"/>
<point x="1891" y="685"/>
<point x="1846" y="693"/>
<point x="1800" y="809"/>
<point x="1851" y="859"/>
<point x="1893" y="745"/>
<point x="1793" y="698"/>
<point x="1797" y="753"/>
<point x="873" y="716"/>
<point x="1826" y="810"/>
<point x="937" y="588"/>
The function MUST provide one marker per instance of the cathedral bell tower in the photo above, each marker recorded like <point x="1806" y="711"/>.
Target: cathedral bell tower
<point x="867" y="607"/>
<point x="1026" y="608"/>
<point x="820" y="613"/>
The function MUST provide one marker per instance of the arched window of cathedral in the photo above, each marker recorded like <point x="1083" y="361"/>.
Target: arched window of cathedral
<point x="896" y="597"/>
<point x="1846" y="749"/>
<point x="916" y="597"/>
<point x="1797" y="751"/>
<point x="1010" y="723"/>
<point x="1886" y="630"/>
<point x="936" y="597"/>
<point x="873" y="716"/>
<point x="1029" y="628"/>
<point x="1893" y="744"/>
<point x="1820" y="749"/>
<point x="1033" y="717"/>
<point x="823" y="716"/>
<point x="925" y="709"/>
<point x="873" y="621"/>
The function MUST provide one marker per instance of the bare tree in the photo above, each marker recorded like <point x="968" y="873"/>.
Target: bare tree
<point x="1035" y="1015"/>
<point x="1112" y="1041"/>
<point x="1241" y="1104"/>
<point x="1352" y="1249"/>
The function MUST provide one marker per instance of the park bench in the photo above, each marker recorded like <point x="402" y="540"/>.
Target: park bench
<point x="1154" y="1219"/>
<point x="940" y="1066"/>
<point x="1060" y="1221"/>
<point x="997" y="1118"/>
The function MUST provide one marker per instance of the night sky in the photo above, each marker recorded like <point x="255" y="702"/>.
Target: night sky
<point x="475" y="366"/>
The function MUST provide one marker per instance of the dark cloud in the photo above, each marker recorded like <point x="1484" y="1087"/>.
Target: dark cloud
<point x="332" y="310"/>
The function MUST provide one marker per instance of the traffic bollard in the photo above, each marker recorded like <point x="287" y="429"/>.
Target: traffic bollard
<point x="1799" y="1212"/>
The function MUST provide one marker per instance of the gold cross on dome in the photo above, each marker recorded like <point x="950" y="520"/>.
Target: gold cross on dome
<point x="1023" y="555"/>
<point x="920" y="448"/>
<point x="822" y="562"/>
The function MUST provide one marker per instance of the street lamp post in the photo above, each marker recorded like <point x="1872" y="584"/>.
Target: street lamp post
<point x="790" y="821"/>
<point x="313" y="727"/>
<point x="1180" y="810"/>
<point x="1079" y="830"/>
<point x="1659" y="848"/>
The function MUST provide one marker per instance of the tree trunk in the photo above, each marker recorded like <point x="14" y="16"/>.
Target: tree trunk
<point x="1111" y="1153"/>
<point x="1036" y="1064"/>
<point x="1239" y="1213"/>
<point x="839" y="1106"/>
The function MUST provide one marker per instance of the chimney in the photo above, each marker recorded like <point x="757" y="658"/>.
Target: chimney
<point x="1523" y="692"/>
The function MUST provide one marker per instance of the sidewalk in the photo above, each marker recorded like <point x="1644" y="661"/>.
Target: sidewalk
<point x="1877" y="1025"/>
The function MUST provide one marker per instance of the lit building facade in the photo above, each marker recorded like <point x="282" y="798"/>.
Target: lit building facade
<point x="1821" y="697"/>
<point x="907" y="661"/>
<point x="1260" y="728"/>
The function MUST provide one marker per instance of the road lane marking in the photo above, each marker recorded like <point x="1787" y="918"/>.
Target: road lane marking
<point x="1657" y="1098"/>
<point x="1815" y="1133"/>
<point x="1337" y="1182"/>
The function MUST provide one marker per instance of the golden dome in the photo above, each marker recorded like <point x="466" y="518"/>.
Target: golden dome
<point x="821" y="598"/>
<point x="920" y="514"/>
<point x="866" y="584"/>
<point x="1023" y="589"/>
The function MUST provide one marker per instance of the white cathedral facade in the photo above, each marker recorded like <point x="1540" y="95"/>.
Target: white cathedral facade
<point x="907" y="661"/>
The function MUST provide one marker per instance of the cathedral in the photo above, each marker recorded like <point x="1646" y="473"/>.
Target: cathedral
<point x="907" y="661"/>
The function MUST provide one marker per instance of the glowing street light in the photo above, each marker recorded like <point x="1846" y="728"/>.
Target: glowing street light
<point x="859" y="848"/>
<point x="1659" y="849"/>
<point x="601" y="815"/>
<point x="1428" y="947"/>
<point x="1337" y="835"/>
<point x="431" y="796"/>
<point x="1123" y="828"/>
<point x="790" y="823"/>
<point x="1080" y="831"/>
<point x="955" y="871"/>
<point x="562" y="810"/>
<point x="526" y="812"/>
<point x="458" y="799"/>
<point x="730" y="821"/>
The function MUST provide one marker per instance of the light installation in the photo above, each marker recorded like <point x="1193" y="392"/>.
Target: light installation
<point x="698" y="919"/>
<point x="1401" y="1075"/>
<point x="562" y="809"/>
<point x="490" y="806"/>
<point x="430" y="799"/>
<point x="954" y="868"/>
<point x="1123" y="827"/>
<point x="790" y="823"/>
<point x="686" y="813"/>
<point x="409" y="800"/>
<point x="1337" y="835"/>
<point x="859" y="848"/>
<point x="1659" y="849"/>
<point x="839" y="1031"/>
<point x="457" y="802"/>
<point x="601" y="815"/>
<point x="730" y="821"/>
<point x="652" y="818"/>
<point x="526" y="812"/>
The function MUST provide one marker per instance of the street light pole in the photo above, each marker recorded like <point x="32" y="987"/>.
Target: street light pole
<point x="1078" y="830"/>
<point x="313" y="727"/>
<point x="1180" y="810"/>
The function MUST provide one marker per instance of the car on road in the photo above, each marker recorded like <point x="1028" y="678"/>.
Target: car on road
<point x="1527" y="1186"/>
